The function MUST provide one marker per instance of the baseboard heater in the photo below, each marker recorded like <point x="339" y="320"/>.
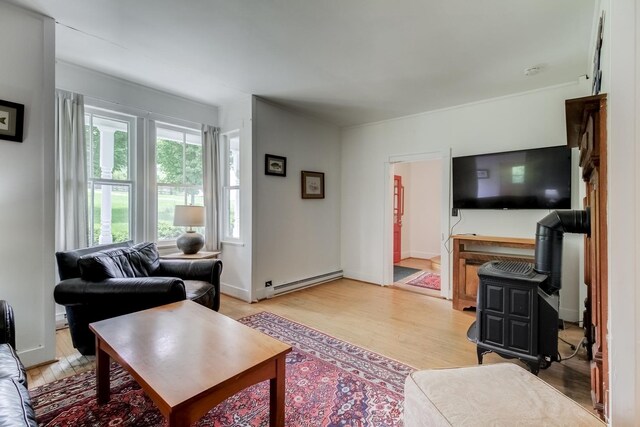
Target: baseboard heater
<point x="305" y="283"/>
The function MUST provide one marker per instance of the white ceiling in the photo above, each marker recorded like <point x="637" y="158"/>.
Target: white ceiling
<point x="346" y="61"/>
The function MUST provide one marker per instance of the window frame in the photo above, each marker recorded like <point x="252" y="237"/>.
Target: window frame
<point x="131" y="182"/>
<point x="226" y="187"/>
<point x="153" y="187"/>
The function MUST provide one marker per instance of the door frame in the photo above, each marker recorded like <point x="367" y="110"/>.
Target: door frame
<point x="445" y="219"/>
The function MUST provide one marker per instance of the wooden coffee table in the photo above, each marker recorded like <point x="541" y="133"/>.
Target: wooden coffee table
<point x="188" y="358"/>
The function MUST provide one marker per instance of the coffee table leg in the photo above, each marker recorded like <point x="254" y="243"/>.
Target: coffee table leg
<point x="277" y="390"/>
<point x="103" y="385"/>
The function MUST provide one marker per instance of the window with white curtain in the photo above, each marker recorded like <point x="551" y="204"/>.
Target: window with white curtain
<point x="178" y="166"/>
<point x="231" y="186"/>
<point x="109" y="139"/>
<point x="135" y="182"/>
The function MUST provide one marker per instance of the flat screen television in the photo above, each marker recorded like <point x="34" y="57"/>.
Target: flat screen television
<point x="527" y="179"/>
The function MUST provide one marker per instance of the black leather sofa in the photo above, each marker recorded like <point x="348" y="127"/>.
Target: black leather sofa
<point x="15" y="403"/>
<point x="111" y="280"/>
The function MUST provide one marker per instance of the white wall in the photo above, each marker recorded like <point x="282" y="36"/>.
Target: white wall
<point x="27" y="273"/>
<point x="129" y="95"/>
<point x="621" y="79"/>
<point x="425" y="195"/>
<point x="237" y="257"/>
<point x="533" y="119"/>
<point x="294" y="239"/>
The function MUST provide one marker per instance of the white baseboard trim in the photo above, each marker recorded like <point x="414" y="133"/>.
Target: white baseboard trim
<point x="361" y="277"/>
<point x="61" y="320"/>
<point x="405" y="254"/>
<point x="569" y="314"/>
<point x="423" y="255"/>
<point x="36" y="356"/>
<point x="304" y="283"/>
<point x="235" y="292"/>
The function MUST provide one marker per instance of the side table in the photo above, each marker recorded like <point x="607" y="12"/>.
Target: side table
<point x="199" y="255"/>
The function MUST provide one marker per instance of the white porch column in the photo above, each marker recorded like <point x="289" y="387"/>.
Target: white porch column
<point x="106" y="168"/>
<point x="107" y="128"/>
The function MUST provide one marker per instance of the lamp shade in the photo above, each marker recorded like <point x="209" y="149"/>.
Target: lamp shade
<point x="190" y="216"/>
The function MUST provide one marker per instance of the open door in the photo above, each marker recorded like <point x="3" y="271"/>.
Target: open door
<point x="398" y="212"/>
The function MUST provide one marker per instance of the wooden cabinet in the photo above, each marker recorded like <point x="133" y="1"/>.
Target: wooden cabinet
<point x="587" y="130"/>
<point x="470" y="252"/>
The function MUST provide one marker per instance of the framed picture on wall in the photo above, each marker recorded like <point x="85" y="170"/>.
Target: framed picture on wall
<point x="275" y="165"/>
<point x="11" y="121"/>
<point x="312" y="185"/>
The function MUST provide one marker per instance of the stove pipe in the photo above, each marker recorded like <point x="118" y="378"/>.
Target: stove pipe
<point x="549" y="235"/>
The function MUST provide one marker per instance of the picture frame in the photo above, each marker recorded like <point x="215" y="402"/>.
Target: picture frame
<point x="312" y="185"/>
<point x="275" y="165"/>
<point x="11" y="121"/>
<point x="482" y="173"/>
<point x="597" y="71"/>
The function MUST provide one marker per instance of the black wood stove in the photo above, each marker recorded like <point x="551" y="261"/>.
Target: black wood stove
<point x="518" y="303"/>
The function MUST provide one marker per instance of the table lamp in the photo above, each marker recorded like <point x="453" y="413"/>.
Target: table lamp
<point x="189" y="242"/>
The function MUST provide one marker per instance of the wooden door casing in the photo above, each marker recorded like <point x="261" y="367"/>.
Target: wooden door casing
<point x="587" y="130"/>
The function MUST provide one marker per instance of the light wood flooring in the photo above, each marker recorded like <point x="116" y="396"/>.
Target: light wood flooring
<point x="415" y="329"/>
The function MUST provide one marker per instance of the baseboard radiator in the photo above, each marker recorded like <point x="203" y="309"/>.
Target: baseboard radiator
<point x="305" y="283"/>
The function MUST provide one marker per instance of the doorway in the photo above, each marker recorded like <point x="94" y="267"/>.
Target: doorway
<point x="418" y="219"/>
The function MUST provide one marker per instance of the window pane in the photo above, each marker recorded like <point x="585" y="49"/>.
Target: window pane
<point x="110" y="213"/>
<point x="193" y="164"/>
<point x="234" y="161"/>
<point x="233" y="223"/>
<point x="109" y="148"/>
<point x="169" y="134"/>
<point x="169" y="161"/>
<point x="168" y="198"/>
<point x="121" y="155"/>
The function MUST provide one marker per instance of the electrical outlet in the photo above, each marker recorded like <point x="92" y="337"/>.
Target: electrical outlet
<point x="454" y="212"/>
<point x="268" y="284"/>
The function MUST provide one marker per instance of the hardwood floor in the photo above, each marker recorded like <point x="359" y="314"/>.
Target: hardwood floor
<point x="415" y="329"/>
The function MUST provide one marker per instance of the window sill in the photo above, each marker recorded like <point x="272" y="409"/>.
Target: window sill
<point x="232" y="243"/>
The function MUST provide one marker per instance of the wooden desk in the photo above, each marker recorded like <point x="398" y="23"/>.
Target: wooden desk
<point x="199" y="255"/>
<point x="188" y="359"/>
<point x="467" y="261"/>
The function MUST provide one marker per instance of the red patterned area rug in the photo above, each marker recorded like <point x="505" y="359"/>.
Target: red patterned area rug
<point x="426" y="280"/>
<point x="329" y="383"/>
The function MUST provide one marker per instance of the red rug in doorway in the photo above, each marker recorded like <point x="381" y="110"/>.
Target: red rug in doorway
<point x="329" y="383"/>
<point x="426" y="280"/>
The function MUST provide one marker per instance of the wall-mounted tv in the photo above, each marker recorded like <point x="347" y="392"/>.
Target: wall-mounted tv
<point x="527" y="179"/>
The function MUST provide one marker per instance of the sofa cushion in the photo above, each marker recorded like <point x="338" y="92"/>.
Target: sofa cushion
<point x="138" y="261"/>
<point x="201" y="292"/>
<point x="10" y="365"/>
<point x="68" y="260"/>
<point x="15" y="404"/>
<point x="488" y="395"/>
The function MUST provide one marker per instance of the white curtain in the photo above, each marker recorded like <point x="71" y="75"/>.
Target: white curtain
<point x="70" y="169"/>
<point x="211" y="175"/>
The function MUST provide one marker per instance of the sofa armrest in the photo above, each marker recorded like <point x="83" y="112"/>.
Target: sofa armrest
<point x="131" y="292"/>
<point x="7" y="325"/>
<point x="204" y="270"/>
<point x="208" y="270"/>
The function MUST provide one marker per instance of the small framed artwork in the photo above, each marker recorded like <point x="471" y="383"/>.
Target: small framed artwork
<point x="312" y="185"/>
<point x="482" y="173"/>
<point x="11" y="121"/>
<point x="275" y="165"/>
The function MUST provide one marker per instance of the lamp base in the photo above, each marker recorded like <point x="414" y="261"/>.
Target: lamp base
<point x="190" y="242"/>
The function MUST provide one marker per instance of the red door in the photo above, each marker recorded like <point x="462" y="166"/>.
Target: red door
<point x="398" y="212"/>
